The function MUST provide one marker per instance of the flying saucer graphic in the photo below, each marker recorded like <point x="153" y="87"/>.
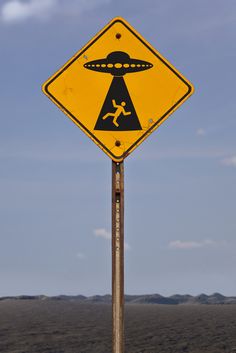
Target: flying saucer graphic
<point x="118" y="112"/>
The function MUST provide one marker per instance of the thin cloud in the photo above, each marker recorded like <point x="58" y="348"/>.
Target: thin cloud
<point x="183" y="153"/>
<point x="201" y="132"/>
<point x="179" y="244"/>
<point x="80" y="255"/>
<point x="15" y="11"/>
<point x="126" y="246"/>
<point x="103" y="233"/>
<point x="18" y="11"/>
<point x="229" y="161"/>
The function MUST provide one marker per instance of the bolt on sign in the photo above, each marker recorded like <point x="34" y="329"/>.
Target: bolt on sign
<point x="118" y="89"/>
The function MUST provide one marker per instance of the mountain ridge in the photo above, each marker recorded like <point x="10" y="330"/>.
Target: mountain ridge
<point x="176" y="299"/>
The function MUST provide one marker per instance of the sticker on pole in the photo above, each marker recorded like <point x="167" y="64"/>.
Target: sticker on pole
<point x="118" y="89"/>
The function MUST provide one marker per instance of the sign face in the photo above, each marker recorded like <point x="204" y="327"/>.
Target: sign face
<point x="118" y="89"/>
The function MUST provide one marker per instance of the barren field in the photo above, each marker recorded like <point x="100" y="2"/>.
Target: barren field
<point x="34" y="326"/>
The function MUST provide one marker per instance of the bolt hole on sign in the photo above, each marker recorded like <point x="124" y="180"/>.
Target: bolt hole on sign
<point x="118" y="89"/>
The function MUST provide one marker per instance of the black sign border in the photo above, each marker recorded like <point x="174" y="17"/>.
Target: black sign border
<point x="147" y="132"/>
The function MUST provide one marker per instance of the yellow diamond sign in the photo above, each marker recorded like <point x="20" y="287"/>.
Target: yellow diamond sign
<point x="118" y="89"/>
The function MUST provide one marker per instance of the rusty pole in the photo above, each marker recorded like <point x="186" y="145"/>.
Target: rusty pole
<point x="117" y="257"/>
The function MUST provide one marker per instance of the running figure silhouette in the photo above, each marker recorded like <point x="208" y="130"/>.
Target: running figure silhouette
<point x="119" y="110"/>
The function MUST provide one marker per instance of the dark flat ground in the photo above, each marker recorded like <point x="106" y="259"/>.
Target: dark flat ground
<point x="69" y="327"/>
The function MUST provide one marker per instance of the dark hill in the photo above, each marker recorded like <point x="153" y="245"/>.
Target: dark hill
<point x="176" y="299"/>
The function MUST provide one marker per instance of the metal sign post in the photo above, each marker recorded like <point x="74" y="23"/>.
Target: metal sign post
<point x="117" y="257"/>
<point x="118" y="114"/>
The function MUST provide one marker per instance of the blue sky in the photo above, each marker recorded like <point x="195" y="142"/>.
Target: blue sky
<point x="55" y="183"/>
